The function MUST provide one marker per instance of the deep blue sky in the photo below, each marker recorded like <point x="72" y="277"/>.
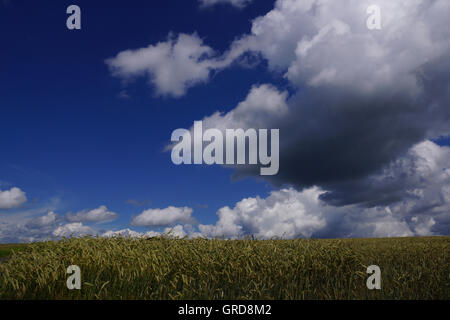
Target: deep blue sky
<point x="66" y="133"/>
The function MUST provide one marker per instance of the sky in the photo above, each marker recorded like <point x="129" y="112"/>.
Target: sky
<point x="86" y="118"/>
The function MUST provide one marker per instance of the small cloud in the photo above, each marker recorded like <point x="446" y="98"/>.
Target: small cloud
<point x="73" y="230"/>
<point x="101" y="214"/>
<point x="12" y="198"/>
<point x="163" y="217"/>
<point x="171" y="67"/>
<point x="126" y="233"/>
<point x="47" y="220"/>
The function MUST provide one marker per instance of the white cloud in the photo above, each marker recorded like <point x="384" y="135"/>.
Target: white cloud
<point x="75" y="229"/>
<point x="423" y="174"/>
<point x="171" y="66"/>
<point x="126" y="233"/>
<point x="101" y="214"/>
<point x="263" y="104"/>
<point x="328" y="43"/>
<point x="422" y="180"/>
<point x="163" y="217"/>
<point x="290" y="214"/>
<point x="350" y="82"/>
<point x="381" y="224"/>
<point x="177" y="64"/>
<point x="174" y="232"/>
<point x="285" y="213"/>
<point x="235" y="3"/>
<point x="23" y="228"/>
<point x="177" y="231"/>
<point x="416" y="188"/>
<point x="423" y="225"/>
<point x="12" y="198"/>
<point x="47" y="220"/>
<point x="324" y="44"/>
<point x="39" y="228"/>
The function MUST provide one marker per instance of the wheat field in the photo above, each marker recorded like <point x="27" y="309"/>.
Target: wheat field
<point x="163" y="268"/>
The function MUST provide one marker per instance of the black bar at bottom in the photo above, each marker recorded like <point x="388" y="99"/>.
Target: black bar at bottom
<point x="260" y="309"/>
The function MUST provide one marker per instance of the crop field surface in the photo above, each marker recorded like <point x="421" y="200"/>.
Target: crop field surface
<point x="7" y="249"/>
<point x="163" y="268"/>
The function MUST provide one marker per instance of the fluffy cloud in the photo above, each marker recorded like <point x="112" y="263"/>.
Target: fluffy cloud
<point x="171" y="232"/>
<point x="177" y="64"/>
<point x="315" y="45"/>
<point x="163" y="217"/>
<point x="235" y="3"/>
<point x="422" y="173"/>
<point x="362" y="105"/>
<point x="47" y="226"/>
<point x="418" y="185"/>
<point x="175" y="232"/>
<point x="362" y="98"/>
<point x="126" y="233"/>
<point x="12" y="198"/>
<point x="33" y="225"/>
<point x="413" y="200"/>
<point x="43" y="222"/>
<point x="75" y="229"/>
<point x="23" y="228"/>
<point x="263" y="105"/>
<point x="285" y="213"/>
<point x="101" y="214"/>
<point x="328" y="43"/>
<point x="171" y="66"/>
<point x="420" y="181"/>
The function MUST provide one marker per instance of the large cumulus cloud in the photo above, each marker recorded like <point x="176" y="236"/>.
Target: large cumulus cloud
<point x="361" y="98"/>
<point x="414" y="200"/>
<point x="363" y="109"/>
<point x="419" y="204"/>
